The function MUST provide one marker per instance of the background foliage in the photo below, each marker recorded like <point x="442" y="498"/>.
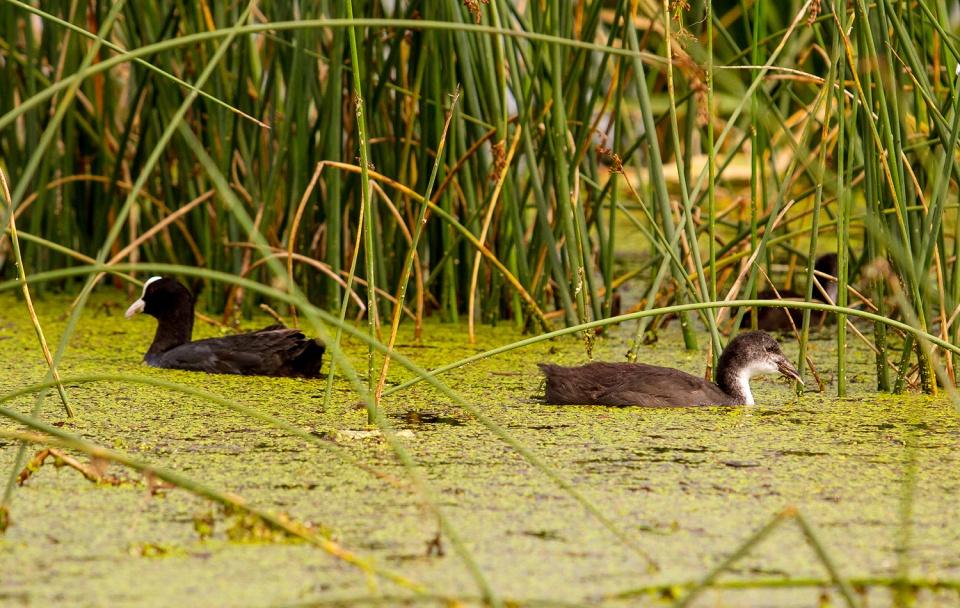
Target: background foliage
<point x="773" y="134"/>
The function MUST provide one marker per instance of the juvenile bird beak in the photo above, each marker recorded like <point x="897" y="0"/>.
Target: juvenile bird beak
<point x="787" y="369"/>
<point x="135" y="308"/>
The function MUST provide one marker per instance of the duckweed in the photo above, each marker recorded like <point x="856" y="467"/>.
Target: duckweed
<point x="689" y="485"/>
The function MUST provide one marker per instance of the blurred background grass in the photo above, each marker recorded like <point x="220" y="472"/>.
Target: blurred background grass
<point x="778" y="131"/>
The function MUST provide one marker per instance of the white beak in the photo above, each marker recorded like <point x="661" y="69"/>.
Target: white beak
<point x="135" y="308"/>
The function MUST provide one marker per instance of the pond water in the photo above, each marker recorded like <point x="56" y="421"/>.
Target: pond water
<point x="687" y="485"/>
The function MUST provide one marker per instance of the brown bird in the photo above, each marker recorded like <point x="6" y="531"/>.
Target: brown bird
<point x="621" y="384"/>
<point x="778" y="319"/>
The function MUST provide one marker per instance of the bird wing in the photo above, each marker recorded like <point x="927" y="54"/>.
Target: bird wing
<point x="653" y="386"/>
<point x="623" y="384"/>
<point x="212" y="358"/>
<point x="263" y="352"/>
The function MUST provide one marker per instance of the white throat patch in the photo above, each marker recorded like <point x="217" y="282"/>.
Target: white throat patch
<point x="754" y="369"/>
<point x="743" y="386"/>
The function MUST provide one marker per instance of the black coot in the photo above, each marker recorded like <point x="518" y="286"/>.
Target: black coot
<point x="272" y="351"/>
<point x="747" y="355"/>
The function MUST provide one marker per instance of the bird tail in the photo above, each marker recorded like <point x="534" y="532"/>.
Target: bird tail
<point x="546" y="368"/>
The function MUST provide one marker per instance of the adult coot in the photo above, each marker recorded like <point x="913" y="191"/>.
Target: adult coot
<point x="747" y="355"/>
<point x="272" y="351"/>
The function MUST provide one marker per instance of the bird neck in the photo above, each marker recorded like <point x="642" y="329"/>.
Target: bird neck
<point x="833" y="290"/>
<point x="734" y="380"/>
<point x="174" y="328"/>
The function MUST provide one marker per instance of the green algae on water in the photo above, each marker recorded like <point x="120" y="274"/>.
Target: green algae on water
<point x="690" y="484"/>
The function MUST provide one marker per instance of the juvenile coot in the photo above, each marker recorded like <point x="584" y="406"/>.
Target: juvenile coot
<point x="747" y="355"/>
<point x="778" y="319"/>
<point x="272" y="351"/>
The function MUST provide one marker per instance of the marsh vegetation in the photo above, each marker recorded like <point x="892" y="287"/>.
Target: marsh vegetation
<point x="470" y="188"/>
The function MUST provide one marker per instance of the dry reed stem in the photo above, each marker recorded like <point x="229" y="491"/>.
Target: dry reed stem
<point x="94" y="471"/>
<point x="735" y="288"/>
<point x="494" y="197"/>
<point x="524" y="294"/>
